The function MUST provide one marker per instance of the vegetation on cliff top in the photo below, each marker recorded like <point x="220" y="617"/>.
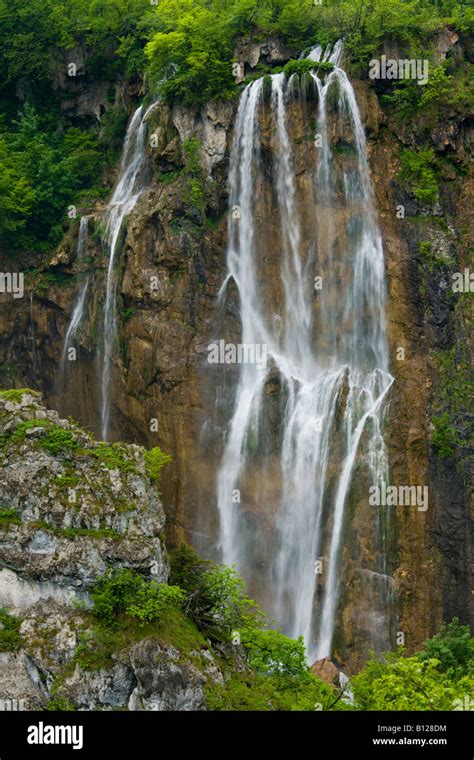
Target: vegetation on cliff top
<point x="52" y="160"/>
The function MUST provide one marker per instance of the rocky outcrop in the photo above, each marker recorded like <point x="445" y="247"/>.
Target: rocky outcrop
<point x="70" y="507"/>
<point x="69" y="510"/>
<point x="147" y="675"/>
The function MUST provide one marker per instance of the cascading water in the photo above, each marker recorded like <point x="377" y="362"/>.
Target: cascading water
<point x="79" y="306"/>
<point x="130" y="185"/>
<point x="328" y="349"/>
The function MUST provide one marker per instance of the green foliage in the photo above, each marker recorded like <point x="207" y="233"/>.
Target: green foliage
<point x="417" y="169"/>
<point x="114" y="456"/>
<point x="60" y="704"/>
<point x="10" y="639"/>
<point x="215" y="597"/>
<point x="89" y="532"/>
<point x="436" y="99"/>
<point x="433" y="260"/>
<point x="66" y="481"/>
<point x="222" y="605"/>
<point x="126" y="593"/>
<point x="395" y="682"/>
<point x="16" y="194"/>
<point x="187" y="568"/>
<point x="112" y="593"/>
<point x="9" y="517"/>
<point x="438" y="88"/>
<point x="57" y="440"/>
<point x="54" y="439"/>
<point x="98" y="645"/>
<point x="366" y="24"/>
<point x="303" y="66"/>
<point x="41" y="170"/>
<point x="152" y="600"/>
<point x="444" y="437"/>
<point x="31" y="34"/>
<point x="191" y="54"/>
<point x="270" y="652"/>
<point x="195" y="193"/>
<point x="453" y="399"/>
<point x="434" y="679"/>
<point x="128" y="313"/>
<point x="113" y="127"/>
<point x="453" y="647"/>
<point x="16" y="394"/>
<point x="244" y="692"/>
<point x="155" y="460"/>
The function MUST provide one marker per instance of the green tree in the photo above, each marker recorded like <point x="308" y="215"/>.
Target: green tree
<point x="16" y="194"/>
<point x="270" y="652"/>
<point x="395" y="682"/>
<point x="453" y="647"/>
<point x="191" y="55"/>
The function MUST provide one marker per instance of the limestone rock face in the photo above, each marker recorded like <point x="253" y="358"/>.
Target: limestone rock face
<point x="71" y="507"/>
<point x="269" y="51"/>
<point x="149" y="675"/>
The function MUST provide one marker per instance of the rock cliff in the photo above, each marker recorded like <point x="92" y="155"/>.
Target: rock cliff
<point x="69" y="510"/>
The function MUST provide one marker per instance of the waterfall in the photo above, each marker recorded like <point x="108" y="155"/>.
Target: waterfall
<point x="130" y="184"/>
<point x="79" y="306"/>
<point x="328" y="347"/>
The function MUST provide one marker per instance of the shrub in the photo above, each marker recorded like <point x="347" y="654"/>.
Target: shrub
<point x="395" y="682"/>
<point x="126" y="593"/>
<point x="114" y="457"/>
<point x="444" y="437"/>
<point x="417" y="169"/>
<point x="155" y="460"/>
<point x="152" y="600"/>
<point x="10" y="639"/>
<point x="187" y="568"/>
<point x="54" y="440"/>
<point x="57" y="440"/>
<point x="253" y="692"/>
<point x="453" y="647"/>
<point x="219" y="604"/>
<point x="270" y="652"/>
<point x="215" y="594"/>
<point x="303" y="66"/>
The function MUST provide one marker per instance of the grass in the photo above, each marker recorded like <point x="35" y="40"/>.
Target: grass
<point x="99" y="644"/>
<point x="54" y="440"/>
<point x="114" y="457"/>
<point x="16" y="395"/>
<point x="9" y="517"/>
<point x="72" y="533"/>
<point x="65" y="481"/>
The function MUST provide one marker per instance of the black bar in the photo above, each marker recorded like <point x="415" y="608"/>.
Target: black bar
<point x="141" y="734"/>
